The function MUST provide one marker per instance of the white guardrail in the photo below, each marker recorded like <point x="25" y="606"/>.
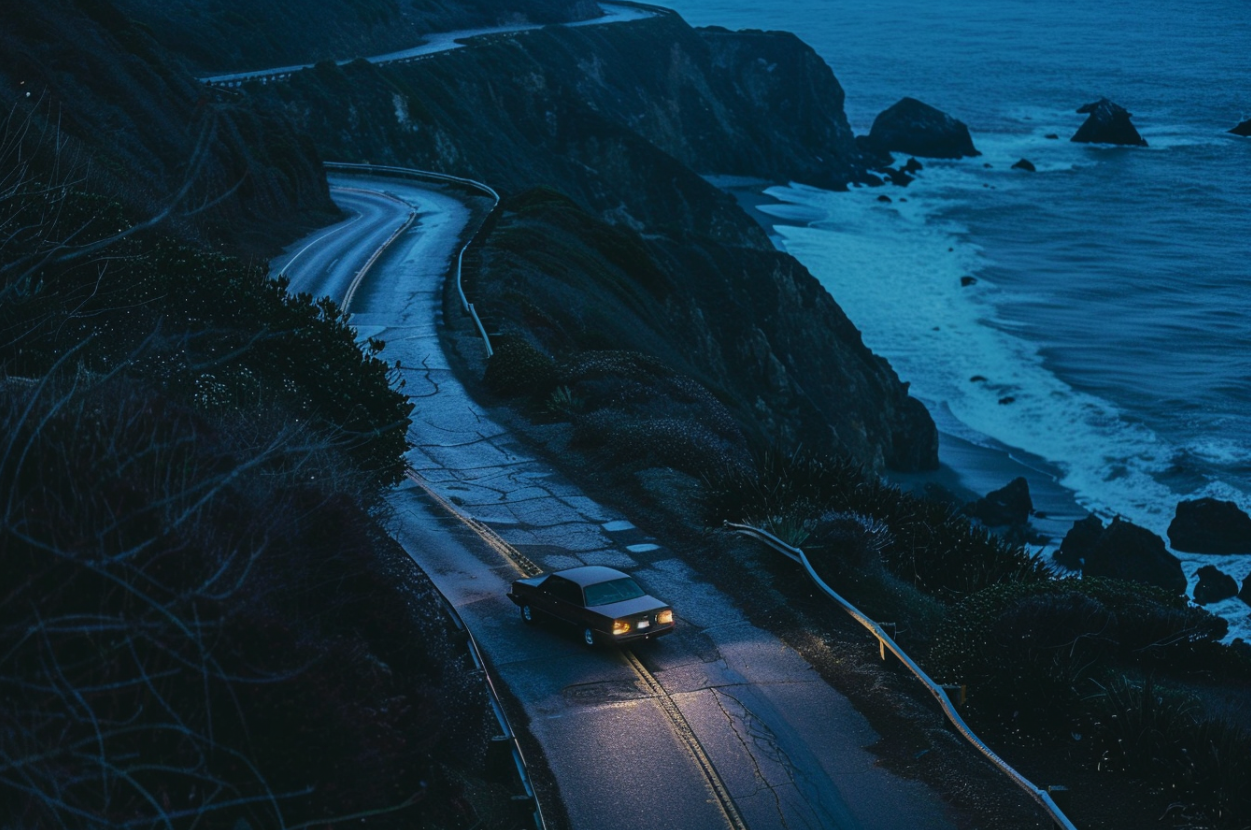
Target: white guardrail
<point x="886" y="643"/>
<point x="408" y="172"/>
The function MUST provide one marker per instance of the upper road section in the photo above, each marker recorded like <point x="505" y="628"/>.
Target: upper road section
<point x="435" y="42"/>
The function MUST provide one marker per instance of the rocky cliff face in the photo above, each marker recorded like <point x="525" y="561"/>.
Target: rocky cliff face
<point x="622" y="119"/>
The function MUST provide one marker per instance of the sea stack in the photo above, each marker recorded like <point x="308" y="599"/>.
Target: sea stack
<point x="1243" y="129"/>
<point x="912" y="127"/>
<point x="1108" y="123"/>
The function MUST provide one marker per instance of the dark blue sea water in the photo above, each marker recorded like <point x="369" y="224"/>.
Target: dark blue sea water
<point x="1113" y="294"/>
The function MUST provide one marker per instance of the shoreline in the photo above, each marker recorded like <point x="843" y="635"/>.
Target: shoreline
<point x="968" y="469"/>
<point x="972" y="465"/>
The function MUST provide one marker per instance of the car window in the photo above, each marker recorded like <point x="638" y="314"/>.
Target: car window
<point x="563" y="590"/>
<point x="615" y="590"/>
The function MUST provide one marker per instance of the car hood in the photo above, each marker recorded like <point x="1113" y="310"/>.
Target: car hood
<point x="625" y="608"/>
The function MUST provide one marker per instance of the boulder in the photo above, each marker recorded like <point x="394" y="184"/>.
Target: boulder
<point x="1210" y="526"/>
<point x="1108" y="123"/>
<point x="1025" y="164"/>
<point x="1009" y="505"/>
<point x="1243" y="129"/>
<point x="1078" y="542"/>
<point x="1127" y="551"/>
<point x="918" y="129"/>
<point x="912" y="166"/>
<point x="1214" y="585"/>
<point x="1245" y="593"/>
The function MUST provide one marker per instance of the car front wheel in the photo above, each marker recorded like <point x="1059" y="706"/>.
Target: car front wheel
<point x="527" y="615"/>
<point x="588" y="637"/>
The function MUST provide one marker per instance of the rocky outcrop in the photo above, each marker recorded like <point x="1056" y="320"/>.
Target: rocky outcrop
<point x="1126" y="551"/>
<point x="1079" y="542"/>
<point x="910" y="126"/>
<point x="1210" y="526"/>
<point x="1214" y="585"/>
<point x="1244" y="593"/>
<point x="1108" y="123"/>
<point x="1009" y="505"/>
<point x="1025" y="164"/>
<point x="1243" y="129"/>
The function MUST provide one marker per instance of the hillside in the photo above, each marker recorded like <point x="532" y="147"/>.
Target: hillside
<point x="239" y="34"/>
<point x="622" y="121"/>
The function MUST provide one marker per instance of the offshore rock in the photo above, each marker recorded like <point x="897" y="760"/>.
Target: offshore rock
<point x="1243" y="129"/>
<point x="918" y="129"/>
<point x="1210" y="526"/>
<point x="1079" y="542"/>
<point x="1127" y="551"/>
<point x="1108" y="123"/>
<point x="1009" y="505"/>
<point x="1214" y="585"/>
<point x="1025" y="164"/>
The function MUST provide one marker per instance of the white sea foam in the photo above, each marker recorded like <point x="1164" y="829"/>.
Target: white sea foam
<point x="896" y="269"/>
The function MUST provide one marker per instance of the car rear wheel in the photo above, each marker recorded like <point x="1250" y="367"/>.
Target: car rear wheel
<point x="588" y="637"/>
<point x="528" y="616"/>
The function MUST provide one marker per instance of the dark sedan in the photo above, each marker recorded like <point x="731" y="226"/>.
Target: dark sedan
<point x="606" y="604"/>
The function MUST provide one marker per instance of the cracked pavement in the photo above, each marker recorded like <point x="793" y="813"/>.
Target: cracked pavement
<point x="790" y="750"/>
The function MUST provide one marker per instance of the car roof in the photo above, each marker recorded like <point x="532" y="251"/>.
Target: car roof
<point x="590" y="574"/>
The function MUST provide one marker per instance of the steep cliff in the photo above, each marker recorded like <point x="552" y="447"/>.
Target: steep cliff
<point x="623" y="119"/>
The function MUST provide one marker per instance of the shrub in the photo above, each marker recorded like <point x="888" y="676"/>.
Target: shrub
<point x="1038" y="645"/>
<point x="518" y="368"/>
<point x="1160" y="735"/>
<point x="930" y="546"/>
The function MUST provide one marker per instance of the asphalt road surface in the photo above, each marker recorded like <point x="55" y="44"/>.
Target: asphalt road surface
<point x="718" y="725"/>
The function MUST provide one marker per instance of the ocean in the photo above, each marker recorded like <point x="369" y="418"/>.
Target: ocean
<point x="1106" y="341"/>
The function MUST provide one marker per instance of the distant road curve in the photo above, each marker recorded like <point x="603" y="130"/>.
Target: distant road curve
<point x="443" y="42"/>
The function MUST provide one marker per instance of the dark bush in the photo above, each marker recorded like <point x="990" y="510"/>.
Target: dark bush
<point x="1039" y="644"/>
<point x="938" y="551"/>
<point x="518" y="368"/>
<point x="1160" y="735"/>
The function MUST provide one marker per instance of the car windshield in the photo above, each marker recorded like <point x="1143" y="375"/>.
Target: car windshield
<point x="615" y="590"/>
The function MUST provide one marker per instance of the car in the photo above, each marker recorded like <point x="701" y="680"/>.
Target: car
<point x="608" y="606"/>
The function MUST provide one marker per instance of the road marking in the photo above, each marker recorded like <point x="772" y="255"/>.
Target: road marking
<point x="326" y="235"/>
<point x="681" y="727"/>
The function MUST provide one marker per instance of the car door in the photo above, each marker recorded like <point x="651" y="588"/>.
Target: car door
<point x="562" y="599"/>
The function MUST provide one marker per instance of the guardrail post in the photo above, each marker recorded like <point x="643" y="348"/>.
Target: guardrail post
<point x="1060" y="796"/>
<point x="957" y="694"/>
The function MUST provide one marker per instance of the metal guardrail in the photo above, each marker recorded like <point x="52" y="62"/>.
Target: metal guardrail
<point x="507" y="734"/>
<point x="408" y="172"/>
<point x="886" y="643"/>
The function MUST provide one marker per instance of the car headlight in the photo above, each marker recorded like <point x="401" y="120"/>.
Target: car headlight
<point x="665" y="617"/>
<point x="620" y="627"/>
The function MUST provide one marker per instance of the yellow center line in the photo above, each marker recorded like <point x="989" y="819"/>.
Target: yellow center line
<point x="681" y="727"/>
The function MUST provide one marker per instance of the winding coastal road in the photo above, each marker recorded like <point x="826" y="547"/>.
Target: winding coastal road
<point x="720" y="724"/>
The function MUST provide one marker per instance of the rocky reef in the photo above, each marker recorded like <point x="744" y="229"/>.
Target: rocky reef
<point x="1107" y="123"/>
